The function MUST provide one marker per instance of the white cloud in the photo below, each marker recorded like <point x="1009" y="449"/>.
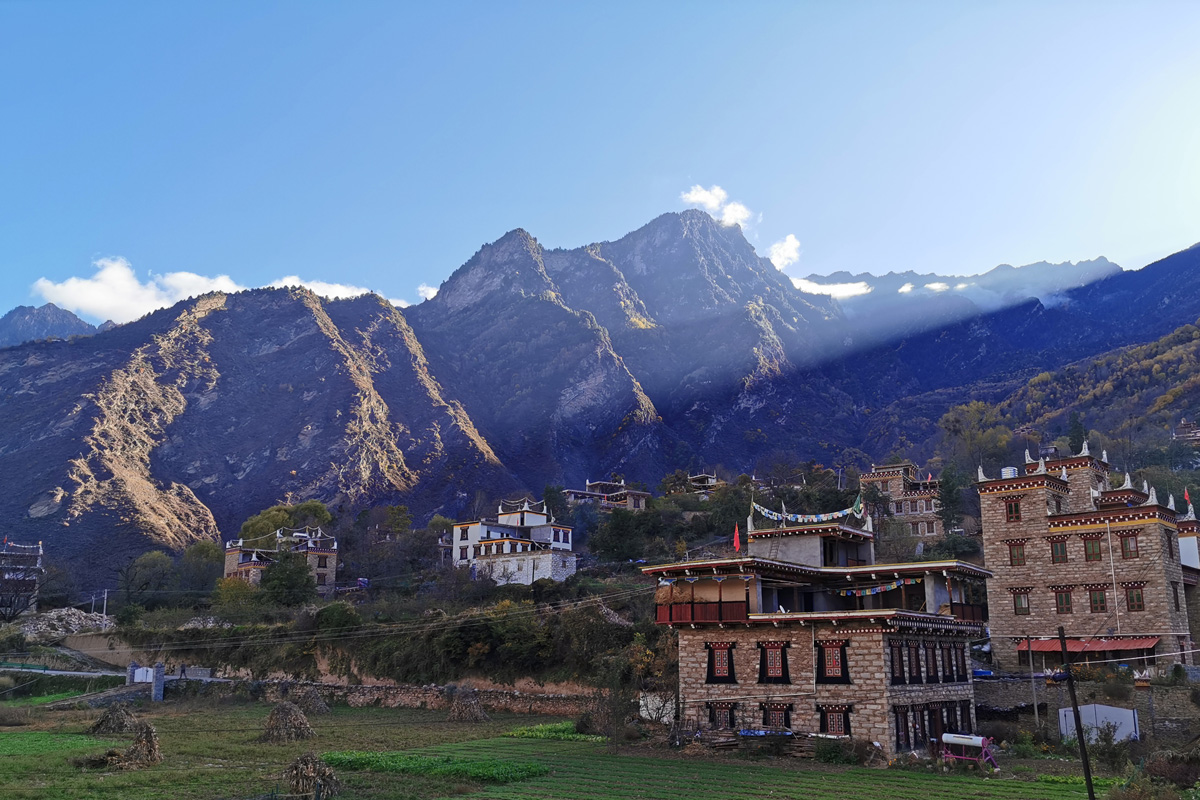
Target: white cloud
<point x="427" y="292"/>
<point x="713" y="200"/>
<point x="958" y="287"/>
<point x="785" y="252"/>
<point x="399" y="302"/>
<point x="938" y="286"/>
<point x="839" y="291"/>
<point x="334" y="290"/>
<point x="116" y="293"/>
<point x="905" y="289"/>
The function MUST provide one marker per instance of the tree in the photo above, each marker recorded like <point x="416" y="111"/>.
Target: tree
<point x="142" y="578"/>
<point x="310" y="513"/>
<point x="675" y="483"/>
<point x="950" y="497"/>
<point x="200" y="566"/>
<point x="440" y="525"/>
<point x="975" y="433"/>
<point x="1076" y="433"/>
<point x="231" y="592"/>
<point x="556" y="502"/>
<point x="289" y="581"/>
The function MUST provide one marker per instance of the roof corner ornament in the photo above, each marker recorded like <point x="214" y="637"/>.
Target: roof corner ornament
<point x="1084" y="451"/>
<point x="1153" y="500"/>
<point x="1028" y="458"/>
<point x="1063" y="476"/>
<point x="1171" y="502"/>
<point x="1191" y="513"/>
<point x="1104" y="456"/>
<point x="1145" y="487"/>
<point x="1128" y="482"/>
<point x="1041" y="469"/>
<point x="982" y="477"/>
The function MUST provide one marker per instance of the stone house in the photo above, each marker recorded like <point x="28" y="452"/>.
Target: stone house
<point x="806" y="632"/>
<point x="911" y="499"/>
<point x="521" y="544"/>
<point x="248" y="558"/>
<point x="1066" y="548"/>
<point x="608" y="495"/>
<point x="21" y="571"/>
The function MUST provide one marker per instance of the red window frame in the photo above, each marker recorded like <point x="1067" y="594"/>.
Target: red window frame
<point x="720" y="657"/>
<point x="1021" y="603"/>
<point x="1012" y="510"/>
<point x="1092" y="551"/>
<point x="774" y="657"/>
<point x="1129" y="547"/>
<point x="1062" y="602"/>
<point x="1134" y="600"/>
<point x="1016" y="555"/>
<point x="835" y="723"/>
<point x="1098" y="599"/>
<point x="1058" y="552"/>
<point x="833" y="661"/>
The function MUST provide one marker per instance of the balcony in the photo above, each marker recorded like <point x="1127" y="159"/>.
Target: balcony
<point x="702" y="612"/>
<point x="969" y="612"/>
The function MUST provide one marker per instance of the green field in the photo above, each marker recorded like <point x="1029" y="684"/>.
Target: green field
<point x="211" y="752"/>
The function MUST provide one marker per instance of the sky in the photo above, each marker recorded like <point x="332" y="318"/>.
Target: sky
<point x="149" y="151"/>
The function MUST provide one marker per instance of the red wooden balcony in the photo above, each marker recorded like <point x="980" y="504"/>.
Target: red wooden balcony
<point x="702" y="612"/>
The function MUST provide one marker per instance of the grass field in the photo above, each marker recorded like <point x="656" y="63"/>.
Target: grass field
<point x="211" y="753"/>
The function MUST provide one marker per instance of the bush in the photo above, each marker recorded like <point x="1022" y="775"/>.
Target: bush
<point x="1024" y="747"/>
<point x="999" y="731"/>
<point x="1162" y="767"/>
<point x="1110" y="752"/>
<point x="130" y="615"/>
<point x="1117" y="691"/>
<point x="338" y="616"/>
<point x="834" y="751"/>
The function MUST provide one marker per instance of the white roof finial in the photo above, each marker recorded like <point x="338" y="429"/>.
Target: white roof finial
<point x="1104" y="456"/>
<point x="1128" y="482"/>
<point x="1145" y="487"/>
<point x="1153" y="499"/>
<point x="1028" y="458"/>
<point x="1171" y="502"/>
<point x="1041" y="470"/>
<point x="1063" y="476"/>
<point x="1084" y="451"/>
<point x="982" y="477"/>
<point x="1191" y="513"/>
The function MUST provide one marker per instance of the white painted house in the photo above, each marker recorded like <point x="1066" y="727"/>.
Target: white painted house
<point x="521" y="545"/>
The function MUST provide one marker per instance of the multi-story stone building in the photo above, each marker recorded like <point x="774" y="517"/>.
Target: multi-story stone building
<point x="805" y="632"/>
<point x="1067" y="549"/>
<point x="21" y="571"/>
<point x="608" y="495"/>
<point x="911" y="500"/>
<point x="249" y="558"/>
<point x="521" y="545"/>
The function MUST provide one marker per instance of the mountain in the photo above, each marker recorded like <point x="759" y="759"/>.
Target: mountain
<point x="675" y="346"/>
<point x="27" y="324"/>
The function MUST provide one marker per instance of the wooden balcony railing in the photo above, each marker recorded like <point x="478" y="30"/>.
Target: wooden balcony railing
<point x="702" y="612"/>
<point x="969" y="612"/>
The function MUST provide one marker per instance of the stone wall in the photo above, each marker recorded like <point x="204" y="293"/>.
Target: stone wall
<point x="402" y="696"/>
<point x="1162" y="710"/>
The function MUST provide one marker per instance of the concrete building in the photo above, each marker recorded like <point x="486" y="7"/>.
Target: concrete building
<point x="1067" y="548"/>
<point x="248" y="558"/>
<point x="805" y="632"/>
<point x="21" y="571"/>
<point x="521" y="545"/>
<point x="911" y="499"/>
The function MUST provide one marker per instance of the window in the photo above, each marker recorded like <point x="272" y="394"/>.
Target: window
<point x="831" y="663"/>
<point x="918" y="725"/>
<point x="1129" y="547"/>
<point x="914" y="529"/>
<point x="777" y="715"/>
<point x="960" y="653"/>
<point x="922" y="506"/>
<point x="567" y="537"/>
<point x="478" y="549"/>
<point x="1058" y="552"/>
<point x="720" y="662"/>
<point x="914" y="662"/>
<point x="1058" y="505"/>
<point x="1175" y="593"/>
<point x="931" y="667"/>
<point x="1062" y="602"/>
<point x="773" y="666"/>
<point x="556" y="534"/>
<point x="1021" y="603"/>
<point x="320" y="579"/>
<point x="1012" y="510"/>
<point x="1091" y="550"/>
<point x="1133" y="599"/>
<point x="1099" y="601"/>
<point x="897" y="663"/>
<point x="835" y="720"/>
<point x="948" y="675"/>
<point x="1171" y="547"/>
<point x="322" y="562"/>
<point x="462" y="553"/>
<point x="521" y="565"/>
<point x="722" y="715"/>
<point x="921" y="528"/>
<point x="964" y="716"/>
<point x="903" y="737"/>
<point x="462" y="534"/>
<point x="1016" y="555"/>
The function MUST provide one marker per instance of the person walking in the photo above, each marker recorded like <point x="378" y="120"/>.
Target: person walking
<point x="183" y="672"/>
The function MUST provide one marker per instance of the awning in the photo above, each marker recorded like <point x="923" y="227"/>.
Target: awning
<point x="1089" y="645"/>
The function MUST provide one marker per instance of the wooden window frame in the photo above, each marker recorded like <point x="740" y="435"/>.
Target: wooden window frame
<point x="1135" y="599"/>
<point x="720" y="668"/>
<point x="1016" y="555"/>
<point x="1021" y="609"/>
<point x="1012" y="510"/>
<point x="1093" y="550"/>
<point x="1100" y="607"/>
<point x="1129" y="547"/>
<point x="823" y="663"/>
<point x="1058" y="553"/>
<point x="1060" y="606"/>
<point x="773" y="663"/>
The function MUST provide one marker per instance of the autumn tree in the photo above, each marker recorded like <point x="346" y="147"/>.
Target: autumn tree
<point x="974" y="434"/>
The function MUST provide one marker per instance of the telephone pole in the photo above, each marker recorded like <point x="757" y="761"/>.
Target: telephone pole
<point x="1080" y="733"/>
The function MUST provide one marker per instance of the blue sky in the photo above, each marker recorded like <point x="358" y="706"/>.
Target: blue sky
<point x="148" y="148"/>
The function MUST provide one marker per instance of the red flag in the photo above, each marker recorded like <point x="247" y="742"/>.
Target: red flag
<point x="931" y="476"/>
<point x="1186" y="499"/>
<point x="737" y="540"/>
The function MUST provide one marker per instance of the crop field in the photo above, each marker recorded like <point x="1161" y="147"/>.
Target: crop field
<point x="211" y="752"/>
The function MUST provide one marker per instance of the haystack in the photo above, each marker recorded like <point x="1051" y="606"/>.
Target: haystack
<point x="117" y="718"/>
<point x="144" y="751"/>
<point x="287" y="723"/>
<point x="464" y="705"/>
<point x="309" y="701"/>
<point x="306" y="772"/>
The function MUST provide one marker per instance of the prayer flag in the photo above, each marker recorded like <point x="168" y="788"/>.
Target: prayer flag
<point x="737" y="541"/>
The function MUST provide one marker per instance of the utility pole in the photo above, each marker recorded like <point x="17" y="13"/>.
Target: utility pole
<point x="93" y="602"/>
<point x="1080" y="733"/>
<point x="1032" y="682"/>
<point x="106" y="602"/>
